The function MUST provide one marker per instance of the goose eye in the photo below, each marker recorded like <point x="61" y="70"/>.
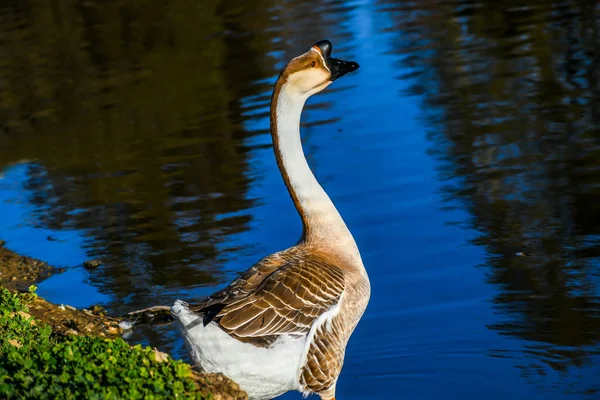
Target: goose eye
<point x="313" y="63"/>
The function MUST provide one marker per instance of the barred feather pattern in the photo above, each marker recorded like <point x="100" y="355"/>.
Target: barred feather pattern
<point x="283" y="293"/>
<point x="325" y="356"/>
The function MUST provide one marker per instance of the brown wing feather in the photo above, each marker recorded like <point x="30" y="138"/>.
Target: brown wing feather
<point x="282" y="294"/>
<point x="325" y="358"/>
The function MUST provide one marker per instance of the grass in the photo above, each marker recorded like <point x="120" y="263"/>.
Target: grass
<point x="36" y="363"/>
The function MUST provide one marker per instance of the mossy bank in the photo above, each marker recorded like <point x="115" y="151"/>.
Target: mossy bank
<point x="49" y="351"/>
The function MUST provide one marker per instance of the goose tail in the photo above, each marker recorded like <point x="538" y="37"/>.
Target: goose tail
<point x="184" y="316"/>
<point x="178" y="308"/>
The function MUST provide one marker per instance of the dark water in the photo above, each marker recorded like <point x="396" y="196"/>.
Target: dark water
<point x="464" y="156"/>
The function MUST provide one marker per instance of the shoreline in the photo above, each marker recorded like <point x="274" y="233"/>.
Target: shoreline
<point x="19" y="274"/>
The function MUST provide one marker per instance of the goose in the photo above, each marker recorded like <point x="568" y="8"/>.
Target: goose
<point x="283" y="325"/>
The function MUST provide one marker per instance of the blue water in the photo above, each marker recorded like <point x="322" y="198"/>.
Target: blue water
<point x="429" y="331"/>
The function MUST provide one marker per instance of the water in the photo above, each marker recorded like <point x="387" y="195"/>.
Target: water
<point x="464" y="156"/>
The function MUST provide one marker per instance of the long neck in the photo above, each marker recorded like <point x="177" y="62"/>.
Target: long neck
<point x="323" y="225"/>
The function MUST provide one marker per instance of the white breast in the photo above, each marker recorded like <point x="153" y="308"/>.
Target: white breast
<point x="264" y="373"/>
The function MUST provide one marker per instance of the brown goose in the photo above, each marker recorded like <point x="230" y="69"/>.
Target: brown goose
<point x="284" y="324"/>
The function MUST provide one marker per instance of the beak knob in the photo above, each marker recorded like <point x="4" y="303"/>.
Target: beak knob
<point x="325" y="46"/>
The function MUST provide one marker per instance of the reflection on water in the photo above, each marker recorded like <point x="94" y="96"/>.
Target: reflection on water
<point x="144" y="127"/>
<point x="132" y="113"/>
<point x="512" y="99"/>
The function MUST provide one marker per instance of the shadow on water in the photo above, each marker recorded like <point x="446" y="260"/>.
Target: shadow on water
<point x="143" y="126"/>
<point x="512" y="104"/>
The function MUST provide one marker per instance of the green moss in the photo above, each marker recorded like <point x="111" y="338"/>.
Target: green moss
<point x="38" y="364"/>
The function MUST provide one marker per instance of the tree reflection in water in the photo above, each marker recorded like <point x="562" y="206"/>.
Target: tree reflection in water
<point x="512" y="97"/>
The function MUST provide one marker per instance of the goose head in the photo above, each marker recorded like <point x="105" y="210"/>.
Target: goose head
<point x="313" y="71"/>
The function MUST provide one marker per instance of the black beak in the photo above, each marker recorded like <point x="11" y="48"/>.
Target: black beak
<point x="337" y="67"/>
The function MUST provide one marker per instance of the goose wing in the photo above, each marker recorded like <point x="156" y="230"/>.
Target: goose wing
<point x="282" y="294"/>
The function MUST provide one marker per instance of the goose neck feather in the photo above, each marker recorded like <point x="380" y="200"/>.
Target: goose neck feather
<point x="323" y="226"/>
